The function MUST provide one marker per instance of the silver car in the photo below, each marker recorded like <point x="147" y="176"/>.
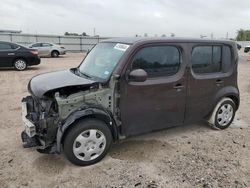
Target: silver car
<point x="48" y="49"/>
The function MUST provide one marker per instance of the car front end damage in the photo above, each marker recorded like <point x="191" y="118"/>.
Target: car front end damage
<point x="47" y="113"/>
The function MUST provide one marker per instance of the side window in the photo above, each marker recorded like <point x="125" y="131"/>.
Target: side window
<point x="5" y="46"/>
<point x="158" y="61"/>
<point x="227" y="59"/>
<point x="36" y="45"/>
<point x="46" y="45"/>
<point x="14" y="46"/>
<point x="207" y="59"/>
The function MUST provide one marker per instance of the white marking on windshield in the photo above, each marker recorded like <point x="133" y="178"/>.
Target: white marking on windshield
<point x="122" y="47"/>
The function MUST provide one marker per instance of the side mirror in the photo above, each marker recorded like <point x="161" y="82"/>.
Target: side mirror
<point x="138" y="75"/>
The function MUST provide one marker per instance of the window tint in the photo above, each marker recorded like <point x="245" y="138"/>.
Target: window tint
<point x="207" y="59"/>
<point x="227" y="59"/>
<point x="158" y="61"/>
<point x="5" y="46"/>
<point x="15" y="46"/>
<point x="36" y="45"/>
<point x="46" y="44"/>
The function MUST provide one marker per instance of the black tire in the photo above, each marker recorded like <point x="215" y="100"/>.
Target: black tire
<point x="20" y="64"/>
<point x="54" y="53"/>
<point x="226" y="102"/>
<point x="75" y="131"/>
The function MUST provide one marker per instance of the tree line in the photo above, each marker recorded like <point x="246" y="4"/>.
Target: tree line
<point x="243" y="35"/>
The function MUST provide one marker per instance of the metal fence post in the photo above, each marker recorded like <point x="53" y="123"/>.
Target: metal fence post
<point x="81" y="44"/>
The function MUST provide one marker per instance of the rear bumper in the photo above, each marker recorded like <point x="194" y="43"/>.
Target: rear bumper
<point x="34" y="61"/>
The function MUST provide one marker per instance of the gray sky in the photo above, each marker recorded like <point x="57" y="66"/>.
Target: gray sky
<point x="185" y="18"/>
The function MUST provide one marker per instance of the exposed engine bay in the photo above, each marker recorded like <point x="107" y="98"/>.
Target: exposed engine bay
<point x="48" y="110"/>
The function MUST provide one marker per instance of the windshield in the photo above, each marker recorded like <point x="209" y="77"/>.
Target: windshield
<point x="102" y="59"/>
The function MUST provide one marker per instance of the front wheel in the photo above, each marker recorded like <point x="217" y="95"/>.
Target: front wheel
<point x="223" y="114"/>
<point x="87" y="142"/>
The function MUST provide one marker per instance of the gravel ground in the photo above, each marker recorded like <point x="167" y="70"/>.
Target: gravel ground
<point x="189" y="156"/>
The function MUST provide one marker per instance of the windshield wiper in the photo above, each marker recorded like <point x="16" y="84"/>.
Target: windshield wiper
<point x="79" y="73"/>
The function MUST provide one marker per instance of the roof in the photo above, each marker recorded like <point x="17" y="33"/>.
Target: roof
<point x="133" y="40"/>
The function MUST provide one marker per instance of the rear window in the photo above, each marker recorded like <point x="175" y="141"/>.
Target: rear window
<point x="5" y="46"/>
<point x="207" y="59"/>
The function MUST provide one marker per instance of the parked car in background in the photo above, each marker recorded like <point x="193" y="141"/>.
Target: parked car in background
<point x="48" y="49"/>
<point x="238" y="46"/>
<point x="15" y="55"/>
<point x="247" y="49"/>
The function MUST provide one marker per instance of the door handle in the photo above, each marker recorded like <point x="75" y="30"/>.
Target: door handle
<point x="11" y="53"/>
<point x="219" y="82"/>
<point x="178" y="87"/>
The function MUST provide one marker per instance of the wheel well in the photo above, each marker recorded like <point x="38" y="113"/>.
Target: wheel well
<point x="55" y="51"/>
<point x="103" y="118"/>
<point x="235" y="99"/>
<point x="19" y="58"/>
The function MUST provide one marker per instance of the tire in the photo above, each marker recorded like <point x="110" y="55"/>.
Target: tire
<point x="20" y="64"/>
<point x="223" y="114"/>
<point x="54" y="53"/>
<point x="87" y="142"/>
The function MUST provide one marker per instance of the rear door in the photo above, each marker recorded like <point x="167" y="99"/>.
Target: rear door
<point x="46" y="49"/>
<point x="210" y="71"/>
<point x="7" y="54"/>
<point x="159" y="102"/>
<point x="37" y="46"/>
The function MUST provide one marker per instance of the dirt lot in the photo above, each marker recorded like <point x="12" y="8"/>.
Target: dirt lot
<point x="193" y="155"/>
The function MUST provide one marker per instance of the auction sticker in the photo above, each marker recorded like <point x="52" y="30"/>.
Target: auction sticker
<point x="122" y="47"/>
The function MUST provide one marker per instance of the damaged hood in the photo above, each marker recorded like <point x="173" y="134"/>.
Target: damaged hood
<point x="43" y="83"/>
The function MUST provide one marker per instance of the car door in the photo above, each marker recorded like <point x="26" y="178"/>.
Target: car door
<point x="7" y="54"/>
<point x="209" y="73"/>
<point x="159" y="102"/>
<point x="37" y="46"/>
<point x="46" y="49"/>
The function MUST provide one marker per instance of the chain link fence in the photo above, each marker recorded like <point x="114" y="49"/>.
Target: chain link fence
<point x="71" y="43"/>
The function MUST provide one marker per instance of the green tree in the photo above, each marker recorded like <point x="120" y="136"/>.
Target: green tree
<point x="243" y="35"/>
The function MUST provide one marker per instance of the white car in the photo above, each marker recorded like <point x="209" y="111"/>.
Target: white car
<point x="48" y="49"/>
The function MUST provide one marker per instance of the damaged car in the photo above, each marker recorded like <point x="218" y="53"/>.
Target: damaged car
<point x="130" y="86"/>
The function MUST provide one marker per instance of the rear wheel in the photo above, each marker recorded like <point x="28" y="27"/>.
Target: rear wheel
<point x="20" y="64"/>
<point x="87" y="142"/>
<point x="54" y="53"/>
<point x="223" y="114"/>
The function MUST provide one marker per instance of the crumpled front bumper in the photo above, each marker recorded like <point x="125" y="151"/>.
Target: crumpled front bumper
<point x="28" y="135"/>
<point x="32" y="136"/>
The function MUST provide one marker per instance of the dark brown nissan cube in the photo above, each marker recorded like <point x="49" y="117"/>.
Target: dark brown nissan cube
<point x="130" y="86"/>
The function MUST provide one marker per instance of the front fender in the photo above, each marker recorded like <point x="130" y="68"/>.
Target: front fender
<point x="89" y="112"/>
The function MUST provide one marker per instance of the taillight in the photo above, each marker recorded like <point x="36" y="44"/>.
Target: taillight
<point x="34" y="52"/>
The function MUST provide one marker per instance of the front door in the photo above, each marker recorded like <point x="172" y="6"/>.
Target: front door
<point x="159" y="102"/>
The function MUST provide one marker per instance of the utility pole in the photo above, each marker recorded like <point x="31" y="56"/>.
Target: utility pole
<point x="227" y="35"/>
<point x="94" y="31"/>
<point x="212" y="36"/>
